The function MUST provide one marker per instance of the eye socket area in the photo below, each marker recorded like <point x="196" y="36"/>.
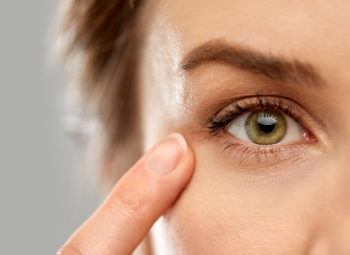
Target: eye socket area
<point x="267" y="127"/>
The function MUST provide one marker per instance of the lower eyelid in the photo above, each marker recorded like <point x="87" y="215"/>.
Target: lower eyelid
<point x="258" y="157"/>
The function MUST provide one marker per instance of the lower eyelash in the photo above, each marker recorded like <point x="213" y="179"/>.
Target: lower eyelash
<point x="259" y="152"/>
<point x="262" y="154"/>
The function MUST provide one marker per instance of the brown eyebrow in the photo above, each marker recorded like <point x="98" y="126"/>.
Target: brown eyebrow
<point x="271" y="66"/>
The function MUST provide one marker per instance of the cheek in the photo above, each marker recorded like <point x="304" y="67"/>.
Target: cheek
<point x="223" y="211"/>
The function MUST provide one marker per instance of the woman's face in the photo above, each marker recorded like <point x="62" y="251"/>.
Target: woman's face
<point x="261" y="91"/>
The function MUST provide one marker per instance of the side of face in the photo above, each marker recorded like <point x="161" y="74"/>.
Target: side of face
<point x="290" y="197"/>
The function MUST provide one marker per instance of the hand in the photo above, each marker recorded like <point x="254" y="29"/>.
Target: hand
<point x="138" y="199"/>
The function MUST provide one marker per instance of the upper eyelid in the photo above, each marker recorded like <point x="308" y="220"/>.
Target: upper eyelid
<point x="261" y="101"/>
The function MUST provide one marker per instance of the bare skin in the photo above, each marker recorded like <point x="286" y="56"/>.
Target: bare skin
<point x="289" y="197"/>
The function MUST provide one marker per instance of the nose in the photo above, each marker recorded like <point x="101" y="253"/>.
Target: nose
<point x="334" y="240"/>
<point x="333" y="237"/>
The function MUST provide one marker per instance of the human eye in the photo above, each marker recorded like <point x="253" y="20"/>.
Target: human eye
<point x="258" y="128"/>
<point x="267" y="127"/>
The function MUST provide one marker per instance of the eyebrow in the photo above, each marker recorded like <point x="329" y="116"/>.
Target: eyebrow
<point x="272" y="66"/>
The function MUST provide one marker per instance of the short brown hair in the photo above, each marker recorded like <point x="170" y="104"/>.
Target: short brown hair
<point x="103" y="38"/>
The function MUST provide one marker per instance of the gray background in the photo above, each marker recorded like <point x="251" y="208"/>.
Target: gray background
<point x="44" y="191"/>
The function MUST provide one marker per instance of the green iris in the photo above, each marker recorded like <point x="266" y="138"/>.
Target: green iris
<point x="266" y="127"/>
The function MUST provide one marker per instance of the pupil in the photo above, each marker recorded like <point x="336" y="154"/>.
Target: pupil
<point x="266" y="123"/>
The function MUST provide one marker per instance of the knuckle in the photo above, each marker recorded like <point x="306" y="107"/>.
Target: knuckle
<point x="128" y="204"/>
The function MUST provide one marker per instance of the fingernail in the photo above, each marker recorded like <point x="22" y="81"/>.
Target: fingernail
<point x="166" y="155"/>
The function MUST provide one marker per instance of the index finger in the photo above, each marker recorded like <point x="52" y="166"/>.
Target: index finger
<point x="134" y="204"/>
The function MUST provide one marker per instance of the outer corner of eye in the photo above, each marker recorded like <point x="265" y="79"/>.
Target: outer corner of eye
<point x="266" y="128"/>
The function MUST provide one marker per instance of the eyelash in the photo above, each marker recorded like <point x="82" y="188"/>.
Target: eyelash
<point x="219" y="120"/>
<point x="215" y="124"/>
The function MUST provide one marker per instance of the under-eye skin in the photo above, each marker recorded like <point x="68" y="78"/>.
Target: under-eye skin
<point x="264" y="129"/>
